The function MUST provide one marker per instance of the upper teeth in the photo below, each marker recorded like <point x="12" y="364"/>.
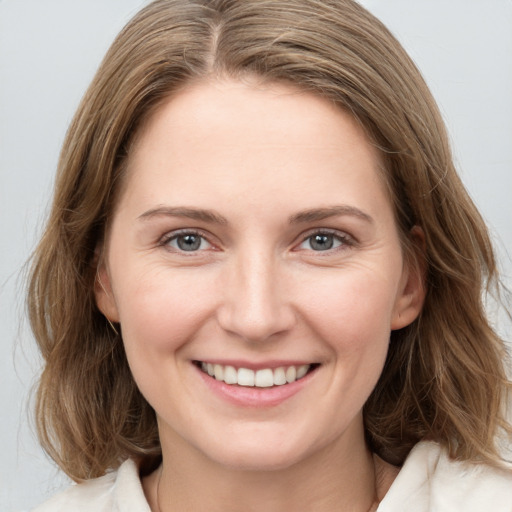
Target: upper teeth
<point x="263" y="378"/>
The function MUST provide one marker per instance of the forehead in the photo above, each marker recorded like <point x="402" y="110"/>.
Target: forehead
<point x="243" y="107"/>
<point x="234" y="138"/>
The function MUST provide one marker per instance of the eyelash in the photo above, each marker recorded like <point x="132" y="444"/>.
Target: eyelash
<point x="344" y="240"/>
<point x="175" y="235"/>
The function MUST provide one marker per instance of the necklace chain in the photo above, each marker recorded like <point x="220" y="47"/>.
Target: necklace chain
<point x="159" y="509"/>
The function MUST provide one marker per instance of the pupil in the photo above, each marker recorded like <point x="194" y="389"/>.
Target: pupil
<point x="322" y="242"/>
<point x="189" y="242"/>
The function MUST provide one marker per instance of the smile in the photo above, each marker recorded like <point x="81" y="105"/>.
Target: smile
<point x="263" y="378"/>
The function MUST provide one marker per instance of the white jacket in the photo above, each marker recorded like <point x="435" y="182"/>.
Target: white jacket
<point x="428" y="482"/>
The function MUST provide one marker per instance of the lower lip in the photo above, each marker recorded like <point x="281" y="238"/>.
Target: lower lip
<point x="246" y="396"/>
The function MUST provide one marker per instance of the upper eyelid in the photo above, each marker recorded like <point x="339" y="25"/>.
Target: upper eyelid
<point x="327" y="231"/>
<point x="184" y="231"/>
<point x="165" y="238"/>
<point x="348" y="241"/>
<point x="170" y="235"/>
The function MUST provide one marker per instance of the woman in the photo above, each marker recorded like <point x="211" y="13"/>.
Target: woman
<point x="260" y="285"/>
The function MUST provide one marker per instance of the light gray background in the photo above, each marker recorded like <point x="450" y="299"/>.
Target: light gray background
<point x="49" y="50"/>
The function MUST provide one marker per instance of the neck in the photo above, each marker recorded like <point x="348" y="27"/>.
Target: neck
<point x="340" y="477"/>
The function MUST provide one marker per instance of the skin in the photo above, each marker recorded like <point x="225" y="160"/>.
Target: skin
<point x="275" y="166"/>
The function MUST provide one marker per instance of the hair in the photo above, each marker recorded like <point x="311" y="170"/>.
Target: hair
<point x="444" y="378"/>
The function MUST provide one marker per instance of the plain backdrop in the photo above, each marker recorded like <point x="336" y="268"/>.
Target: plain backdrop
<point x="49" y="51"/>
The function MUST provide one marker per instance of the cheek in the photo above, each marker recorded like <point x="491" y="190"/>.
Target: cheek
<point x="352" y="312"/>
<point x="160" y="310"/>
<point x="352" y="318"/>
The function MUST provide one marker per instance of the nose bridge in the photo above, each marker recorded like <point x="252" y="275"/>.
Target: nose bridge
<point x="255" y="305"/>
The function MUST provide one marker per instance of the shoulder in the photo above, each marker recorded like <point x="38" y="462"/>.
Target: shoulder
<point x="117" y="491"/>
<point x="430" y="481"/>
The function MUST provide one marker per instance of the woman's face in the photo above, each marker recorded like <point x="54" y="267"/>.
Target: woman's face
<point x="254" y="238"/>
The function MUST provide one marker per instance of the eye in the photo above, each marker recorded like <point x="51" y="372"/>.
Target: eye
<point x="186" y="241"/>
<point x="324" y="241"/>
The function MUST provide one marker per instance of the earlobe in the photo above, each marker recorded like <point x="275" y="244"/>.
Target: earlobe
<point x="413" y="288"/>
<point x="103" y="294"/>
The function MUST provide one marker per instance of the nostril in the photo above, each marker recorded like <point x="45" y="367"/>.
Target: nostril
<point x="256" y="324"/>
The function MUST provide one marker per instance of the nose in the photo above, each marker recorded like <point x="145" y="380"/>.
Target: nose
<point x="254" y="305"/>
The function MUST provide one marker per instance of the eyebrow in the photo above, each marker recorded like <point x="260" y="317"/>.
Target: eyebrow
<point x="332" y="211"/>
<point x="210" y="216"/>
<point x="190" y="213"/>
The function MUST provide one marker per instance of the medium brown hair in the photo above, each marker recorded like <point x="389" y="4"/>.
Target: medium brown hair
<point x="444" y="377"/>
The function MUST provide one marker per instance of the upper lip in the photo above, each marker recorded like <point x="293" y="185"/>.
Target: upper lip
<point x="252" y="365"/>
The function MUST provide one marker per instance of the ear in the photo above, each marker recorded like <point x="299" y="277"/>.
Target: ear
<point x="103" y="290"/>
<point x="409" y="302"/>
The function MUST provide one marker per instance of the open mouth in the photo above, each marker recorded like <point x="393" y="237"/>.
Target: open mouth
<point x="263" y="378"/>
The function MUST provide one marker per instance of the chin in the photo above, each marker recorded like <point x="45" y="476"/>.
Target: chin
<point x="259" y="453"/>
